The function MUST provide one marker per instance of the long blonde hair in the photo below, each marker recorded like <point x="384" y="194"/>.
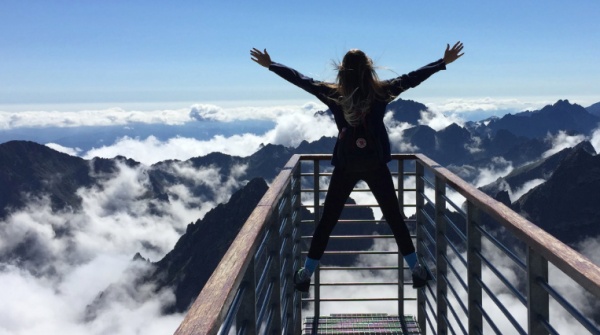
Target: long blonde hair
<point x="358" y="85"/>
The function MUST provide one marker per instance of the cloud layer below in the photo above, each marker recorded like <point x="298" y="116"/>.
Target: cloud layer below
<point x="72" y="256"/>
<point x="114" y="224"/>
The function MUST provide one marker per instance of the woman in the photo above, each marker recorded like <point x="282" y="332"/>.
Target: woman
<point x="358" y="101"/>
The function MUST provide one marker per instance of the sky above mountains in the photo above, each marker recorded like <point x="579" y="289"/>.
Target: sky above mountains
<point x="64" y="55"/>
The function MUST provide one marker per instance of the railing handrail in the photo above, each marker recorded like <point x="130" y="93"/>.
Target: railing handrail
<point x="221" y="287"/>
<point x="209" y="310"/>
<point x="573" y="264"/>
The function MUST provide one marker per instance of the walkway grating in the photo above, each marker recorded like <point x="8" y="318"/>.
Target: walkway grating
<point x="363" y="324"/>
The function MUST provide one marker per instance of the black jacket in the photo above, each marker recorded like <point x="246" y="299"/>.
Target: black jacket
<point x="329" y="96"/>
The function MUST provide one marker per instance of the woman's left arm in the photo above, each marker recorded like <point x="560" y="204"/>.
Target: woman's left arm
<point x="414" y="78"/>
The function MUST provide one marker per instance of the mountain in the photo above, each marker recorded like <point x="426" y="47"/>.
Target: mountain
<point x="566" y="205"/>
<point x="29" y="170"/>
<point x="534" y="124"/>
<point x="594" y="109"/>
<point x="407" y="110"/>
<point x="541" y="169"/>
<point x="191" y="262"/>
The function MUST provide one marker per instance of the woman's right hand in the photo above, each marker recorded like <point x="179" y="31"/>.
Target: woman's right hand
<point x="261" y="57"/>
<point x="450" y="55"/>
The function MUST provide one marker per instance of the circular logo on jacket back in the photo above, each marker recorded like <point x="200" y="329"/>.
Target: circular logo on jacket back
<point x="361" y="143"/>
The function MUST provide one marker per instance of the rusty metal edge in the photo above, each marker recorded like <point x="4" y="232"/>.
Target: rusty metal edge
<point x="208" y="311"/>
<point x="572" y="263"/>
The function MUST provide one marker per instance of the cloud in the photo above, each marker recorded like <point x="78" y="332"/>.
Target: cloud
<point x="438" y="120"/>
<point x="32" y="305"/>
<point x="526" y="187"/>
<point x="292" y="126"/>
<point x="66" y="150"/>
<point x="562" y="141"/>
<point x="104" y="117"/>
<point x="119" y="116"/>
<point x="481" y="108"/>
<point x="474" y="146"/>
<point x="595" y="140"/>
<point x="71" y="256"/>
<point x="498" y="167"/>
<point x="296" y="126"/>
<point x="152" y="150"/>
<point x="395" y="132"/>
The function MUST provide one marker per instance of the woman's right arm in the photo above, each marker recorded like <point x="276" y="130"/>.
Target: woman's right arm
<point x="308" y="84"/>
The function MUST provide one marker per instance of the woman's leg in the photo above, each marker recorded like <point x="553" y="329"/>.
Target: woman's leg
<point x="340" y="187"/>
<point x="381" y="184"/>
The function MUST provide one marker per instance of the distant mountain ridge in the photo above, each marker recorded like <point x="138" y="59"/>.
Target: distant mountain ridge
<point x="594" y="109"/>
<point x="533" y="124"/>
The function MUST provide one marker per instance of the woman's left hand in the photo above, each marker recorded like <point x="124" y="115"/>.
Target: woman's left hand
<point x="260" y="57"/>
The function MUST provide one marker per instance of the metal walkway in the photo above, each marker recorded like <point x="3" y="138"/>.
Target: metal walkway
<point x="362" y="324"/>
<point x="494" y="271"/>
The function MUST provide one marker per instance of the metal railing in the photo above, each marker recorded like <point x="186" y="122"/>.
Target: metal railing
<point x="494" y="271"/>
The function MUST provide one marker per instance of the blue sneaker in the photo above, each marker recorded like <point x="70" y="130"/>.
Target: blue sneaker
<point x="420" y="276"/>
<point x="302" y="280"/>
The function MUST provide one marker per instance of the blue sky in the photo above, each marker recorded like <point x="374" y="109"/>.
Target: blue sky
<point x="152" y="52"/>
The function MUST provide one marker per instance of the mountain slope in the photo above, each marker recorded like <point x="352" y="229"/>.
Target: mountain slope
<point x="566" y="205"/>
<point x="541" y="169"/>
<point x="561" y="116"/>
<point x="191" y="262"/>
<point x="594" y="109"/>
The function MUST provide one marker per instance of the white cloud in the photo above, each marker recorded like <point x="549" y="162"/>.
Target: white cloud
<point x="526" y="187"/>
<point x="589" y="248"/>
<point x="105" y="117"/>
<point x="595" y="140"/>
<point x="438" y="120"/>
<point x="474" y="146"/>
<point x="33" y="305"/>
<point x="296" y="126"/>
<point x="152" y="150"/>
<point x="74" y="255"/>
<point x="293" y="125"/>
<point x="498" y="167"/>
<point x="66" y="150"/>
<point x="395" y="132"/>
<point x="562" y="141"/>
<point x="480" y="108"/>
<point x="119" y="116"/>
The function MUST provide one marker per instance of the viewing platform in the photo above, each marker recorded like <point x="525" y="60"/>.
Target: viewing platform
<point x="494" y="271"/>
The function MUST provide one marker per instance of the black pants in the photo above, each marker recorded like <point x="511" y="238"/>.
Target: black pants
<point x="341" y="185"/>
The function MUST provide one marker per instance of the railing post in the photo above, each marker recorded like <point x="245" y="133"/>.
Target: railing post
<point x="441" y="251"/>
<point x="420" y="202"/>
<point x="400" y="258"/>
<point x="246" y="317"/>
<point x="473" y="270"/>
<point x="317" y="216"/>
<point x="286" y="260"/>
<point x="274" y="275"/>
<point x="537" y="298"/>
<point x="296" y="247"/>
